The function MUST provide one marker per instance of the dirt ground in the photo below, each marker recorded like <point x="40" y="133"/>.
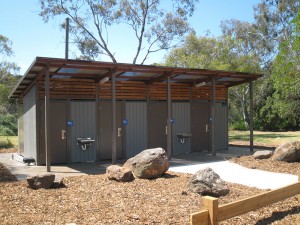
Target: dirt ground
<point x="268" y="165"/>
<point x="93" y="199"/>
<point x="8" y="150"/>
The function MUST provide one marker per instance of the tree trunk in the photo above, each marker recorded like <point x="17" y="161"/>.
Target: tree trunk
<point x="245" y="111"/>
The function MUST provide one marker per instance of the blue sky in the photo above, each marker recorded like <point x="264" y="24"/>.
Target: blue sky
<point x="31" y="37"/>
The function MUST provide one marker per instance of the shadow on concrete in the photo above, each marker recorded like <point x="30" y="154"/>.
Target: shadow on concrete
<point x="22" y="171"/>
<point x="91" y="168"/>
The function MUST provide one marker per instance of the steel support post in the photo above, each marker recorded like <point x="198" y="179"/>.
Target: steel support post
<point x="251" y="115"/>
<point x="47" y="122"/>
<point x="169" y="128"/>
<point x="114" y="123"/>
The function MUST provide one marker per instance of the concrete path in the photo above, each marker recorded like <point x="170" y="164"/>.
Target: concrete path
<point x="22" y="171"/>
<point x="235" y="173"/>
<point x="188" y="163"/>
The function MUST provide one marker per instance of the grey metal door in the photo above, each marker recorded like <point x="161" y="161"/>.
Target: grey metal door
<point x="135" y="123"/>
<point x="157" y="125"/>
<point x="182" y="120"/>
<point x="105" y="130"/>
<point x="83" y="117"/>
<point x="57" y="129"/>
<point x="200" y="127"/>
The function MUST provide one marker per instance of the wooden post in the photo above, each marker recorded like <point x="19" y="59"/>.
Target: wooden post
<point x="211" y="204"/>
<point x="251" y="115"/>
<point x="213" y="103"/>
<point x="97" y="119"/>
<point x="298" y="196"/>
<point x="114" y="116"/>
<point x="47" y="121"/>
<point x="169" y="128"/>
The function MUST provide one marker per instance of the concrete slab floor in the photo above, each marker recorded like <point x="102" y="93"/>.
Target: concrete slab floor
<point x="22" y="171"/>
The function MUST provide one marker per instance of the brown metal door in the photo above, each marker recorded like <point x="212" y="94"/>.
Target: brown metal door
<point x="157" y="125"/>
<point x="105" y="126"/>
<point x="200" y="127"/>
<point x="57" y="129"/>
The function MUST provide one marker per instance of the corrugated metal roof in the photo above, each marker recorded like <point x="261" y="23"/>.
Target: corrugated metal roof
<point x="82" y="69"/>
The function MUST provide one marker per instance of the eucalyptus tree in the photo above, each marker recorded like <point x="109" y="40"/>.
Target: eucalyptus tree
<point x="156" y="25"/>
<point x="221" y="53"/>
<point x="285" y="101"/>
<point x="8" y="121"/>
<point x="6" y="67"/>
<point x="271" y="29"/>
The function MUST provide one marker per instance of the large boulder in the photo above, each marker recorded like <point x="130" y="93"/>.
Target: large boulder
<point x="207" y="182"/>
<point x="41" y="181"/>
<point x="288" y="152"/>
<point x="266" y="154"/>
<point x="149" y="164"/>
<point x="118" y="173"/>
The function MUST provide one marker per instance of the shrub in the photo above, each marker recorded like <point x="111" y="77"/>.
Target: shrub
<point x="6" y="143"/>
<point x="238" y="125"/>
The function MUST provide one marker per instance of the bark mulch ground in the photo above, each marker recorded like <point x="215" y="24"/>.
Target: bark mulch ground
<point x="92" y="199"/>
<point x="8" y="150"/>
<point x="268" y="165"/>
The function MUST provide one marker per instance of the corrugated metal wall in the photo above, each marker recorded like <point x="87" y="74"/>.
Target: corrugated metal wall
<point x="181" y="114"/>
<point x="221" y="126"/>
<point x="200" y="126"/>
<point x="29" y="123"/>
<point x="83" y="116"/>
<point x="136" y="129"/>
<point x="20" y="129"/>
<point x="157" y="119"/>
<point x="105" y="129"/>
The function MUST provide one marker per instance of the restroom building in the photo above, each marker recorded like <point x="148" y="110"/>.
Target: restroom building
<point x="78" y="111"/>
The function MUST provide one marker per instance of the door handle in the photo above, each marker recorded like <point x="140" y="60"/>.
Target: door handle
<point x="63" y="134"/>
<point x="206" y="128"/>
<point x="166" y="129"/>
<point x="119" y="132"/>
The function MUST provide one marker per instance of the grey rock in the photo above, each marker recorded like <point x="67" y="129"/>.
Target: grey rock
<point x="207" y="182"/>
<point x="149" y="164"/>
<point x="41" y="181"/>
<point x="128" y="163"/>
<point x="266" y="154"/>
<point x="288" y="152"/>
<point x="58" y="182"/>
<point x="118" y="173"/>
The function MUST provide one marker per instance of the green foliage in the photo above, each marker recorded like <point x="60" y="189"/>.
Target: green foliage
<point x="8" y="117"/>
<point x="282" y="108"/>
<point x="6" y="143"/>
<point x="238" y="125"/>
<point x="271" y="45"/>
<point x="8" y="125"/>
<point x="222" y="53"/>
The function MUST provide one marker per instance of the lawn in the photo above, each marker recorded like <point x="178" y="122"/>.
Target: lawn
<point x="270" y="139"/>
<point x="8" y="141"/>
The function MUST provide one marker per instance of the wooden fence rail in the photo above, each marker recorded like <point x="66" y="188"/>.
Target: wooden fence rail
<point x="212" y="213"/>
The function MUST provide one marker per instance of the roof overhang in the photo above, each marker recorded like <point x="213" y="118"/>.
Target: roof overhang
<point x="70" y="68"/>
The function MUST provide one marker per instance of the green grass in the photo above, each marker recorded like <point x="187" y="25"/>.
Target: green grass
<point x="272" y="139"/>
<point x="8" y="141"/>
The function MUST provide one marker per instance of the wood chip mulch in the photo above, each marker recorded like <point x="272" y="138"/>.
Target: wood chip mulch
<point x="8" y="150"/>
<point x="5" y="174"/>
<point x="268" y="165"/>
<point x="93" y="199"/>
